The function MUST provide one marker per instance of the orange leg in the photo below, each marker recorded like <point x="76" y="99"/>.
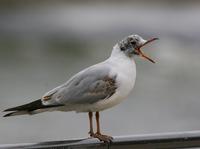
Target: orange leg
<point x="91" y="132"/>
<point x="98" y="123"/>
<point x="98" y="134"/>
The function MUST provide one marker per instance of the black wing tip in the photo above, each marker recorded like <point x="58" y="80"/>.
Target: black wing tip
<point x="9" y="114"/>
<point x="7" y="110"/>
<point x="12" y="109"/>
<point x="27" y="108"/>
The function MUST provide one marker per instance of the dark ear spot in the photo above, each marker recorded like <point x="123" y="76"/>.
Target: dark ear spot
<point x="122" y="48"/>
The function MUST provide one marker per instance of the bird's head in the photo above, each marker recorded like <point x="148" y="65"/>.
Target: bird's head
<point x="132" y="45"/>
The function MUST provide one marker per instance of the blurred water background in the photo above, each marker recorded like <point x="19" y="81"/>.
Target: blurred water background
<point x="43" y="43"/>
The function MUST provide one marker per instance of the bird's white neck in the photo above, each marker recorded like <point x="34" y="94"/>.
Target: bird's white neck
<point x="118" y="54"/>
<point x="121" y="60"/>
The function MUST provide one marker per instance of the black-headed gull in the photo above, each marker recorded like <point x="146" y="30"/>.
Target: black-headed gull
<point x="95" y="88"/>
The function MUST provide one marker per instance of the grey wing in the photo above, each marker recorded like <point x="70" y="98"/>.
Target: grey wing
<point x="89" y="86"/>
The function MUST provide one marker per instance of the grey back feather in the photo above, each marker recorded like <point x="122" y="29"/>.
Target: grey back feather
<point x="87" y="87"/>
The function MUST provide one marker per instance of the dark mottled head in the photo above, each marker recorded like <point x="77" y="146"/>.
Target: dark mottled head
<point x="131" y="46"/>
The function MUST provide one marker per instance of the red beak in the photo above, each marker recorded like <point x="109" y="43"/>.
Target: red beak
<point x="141" y="54"/>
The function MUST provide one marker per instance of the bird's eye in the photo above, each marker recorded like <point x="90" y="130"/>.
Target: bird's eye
<point x="133" y="42"/>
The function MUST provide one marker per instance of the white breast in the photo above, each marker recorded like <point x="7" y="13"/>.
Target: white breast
<point x="125" y="69"/>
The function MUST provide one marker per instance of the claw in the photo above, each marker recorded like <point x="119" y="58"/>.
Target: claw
<point x="104" y="138"/>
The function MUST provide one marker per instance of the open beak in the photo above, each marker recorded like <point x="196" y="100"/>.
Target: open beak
<point x="141" y="54"/>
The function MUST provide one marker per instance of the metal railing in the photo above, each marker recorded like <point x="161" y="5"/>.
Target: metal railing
<point x="190" y="139"/>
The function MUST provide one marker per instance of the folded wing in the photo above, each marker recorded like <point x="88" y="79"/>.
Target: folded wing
<point x="87" y="87"/>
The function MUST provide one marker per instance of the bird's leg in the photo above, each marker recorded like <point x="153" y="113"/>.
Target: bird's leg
<point x="98" y="123"/>
<point x="98" y="134"/>
<point x="91" y="132"/>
